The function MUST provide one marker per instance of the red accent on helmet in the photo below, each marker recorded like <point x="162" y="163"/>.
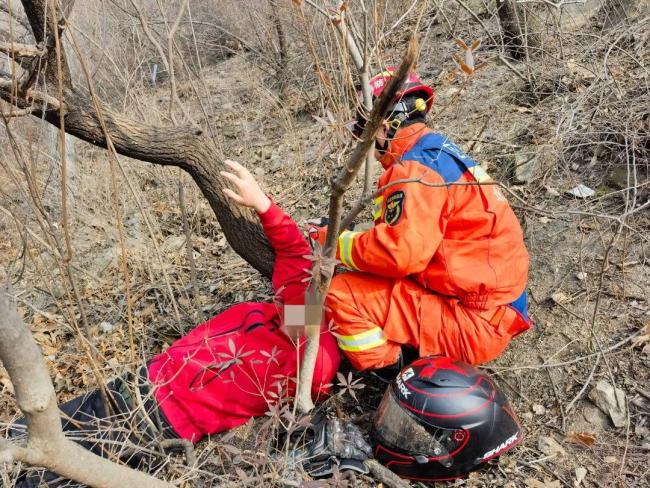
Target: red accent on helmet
<point x="459" y="435"/>
<point x="413" y="84"/>
<point x="432" y="367"/>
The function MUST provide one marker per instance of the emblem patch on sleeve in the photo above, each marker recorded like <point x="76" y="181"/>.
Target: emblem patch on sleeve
<point x="394" y="207"/>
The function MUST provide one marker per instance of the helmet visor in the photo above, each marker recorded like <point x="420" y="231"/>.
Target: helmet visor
<point x="401" y="431"/>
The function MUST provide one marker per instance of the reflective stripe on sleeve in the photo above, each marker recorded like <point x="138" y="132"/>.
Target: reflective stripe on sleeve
<point x="346" y="243"/>
<point x="363" y="341"/>
<point x="377" y="203"/>
<point x="479" y="174"/>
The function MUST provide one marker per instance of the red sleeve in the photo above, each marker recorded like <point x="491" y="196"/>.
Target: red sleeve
<point x="289" y="282"/>
<point x="291" y="267"/>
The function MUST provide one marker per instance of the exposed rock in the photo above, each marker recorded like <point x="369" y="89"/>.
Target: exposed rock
<point x="574" y="16"/>
<point x="581" y="191"/>
<point x="560" y="298"/>
<point x="173" y="243"/>
<point x="525" y="167"/>
<point x="596" y="419"/>
<point x="106" y="327"/>
<point x="641" y="431"/>
<point x="580" y="476"/>
<point x="550" y="446"/>
<point x="611" y="401"/>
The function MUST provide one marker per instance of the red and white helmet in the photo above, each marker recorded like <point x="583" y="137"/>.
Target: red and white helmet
<point x="423" y="94"/>
<point x="412" y="85"/>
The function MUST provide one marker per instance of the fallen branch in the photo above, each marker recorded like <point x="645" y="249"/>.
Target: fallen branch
<point x="15" y="49"/>
<point x="16" y="113"/>
<point x="385" y="475"/>
<point x="7" y="85"/>
<point x="46" y="445"/>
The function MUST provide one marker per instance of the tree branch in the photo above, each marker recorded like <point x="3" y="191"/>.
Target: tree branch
<point x="16" y="49"/>
<point x="186" y="148"/>
<point x="47" y="445"/>
<point x="349" y="172"/>
<point x="8" y="90"/>
<point x="44" y="31"/>
<point x="323" y="268"/>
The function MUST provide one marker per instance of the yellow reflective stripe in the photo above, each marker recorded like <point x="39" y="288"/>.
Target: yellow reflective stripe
<point x="377" y="203"/>
<point x="361" y="342"/>
<point x="346" y="243"/>
<point x="479" y="174"/>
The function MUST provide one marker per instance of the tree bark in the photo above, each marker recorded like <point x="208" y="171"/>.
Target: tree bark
<point x="46" y="445"/>
<point x="186" y="148"/>
<point x="282" y="45"/>
<point x="516" y="28"/>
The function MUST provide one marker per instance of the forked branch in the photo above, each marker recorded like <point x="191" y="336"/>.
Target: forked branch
<point x="184" y="147"/>
<point x="46" y="445"/>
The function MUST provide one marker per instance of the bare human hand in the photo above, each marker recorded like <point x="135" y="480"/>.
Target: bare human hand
<point x="248" y="192"/>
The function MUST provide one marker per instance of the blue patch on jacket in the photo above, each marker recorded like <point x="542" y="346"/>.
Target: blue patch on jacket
<point x="521" y="306"/>
<point x="438" y="153"/>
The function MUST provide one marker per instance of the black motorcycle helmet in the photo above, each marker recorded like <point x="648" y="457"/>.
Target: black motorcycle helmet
<point x="440" y="419"/>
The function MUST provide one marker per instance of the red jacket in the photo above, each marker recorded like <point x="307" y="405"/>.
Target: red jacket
<point x="234" y="366"/>
<point x="451" y="235"/>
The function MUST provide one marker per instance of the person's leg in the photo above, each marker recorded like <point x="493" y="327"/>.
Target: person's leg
<point x="373" y="317"/>
<point x="448" y="328"/>
<point x="124" y="434"/>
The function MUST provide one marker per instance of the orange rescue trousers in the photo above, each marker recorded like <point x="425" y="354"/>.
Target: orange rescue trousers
<point x="374" y="316"/>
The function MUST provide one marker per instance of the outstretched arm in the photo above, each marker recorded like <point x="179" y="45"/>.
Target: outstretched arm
<point x="291" y="265"/>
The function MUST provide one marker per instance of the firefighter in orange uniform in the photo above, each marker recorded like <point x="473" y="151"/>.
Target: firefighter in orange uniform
<point x="444" y="269"/>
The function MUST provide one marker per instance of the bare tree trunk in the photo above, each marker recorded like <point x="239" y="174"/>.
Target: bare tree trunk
<point x="46" y="445"/>
<point x="515" y="23"/>
<point x="323" y="269"/>
<point x="282" y="45"/>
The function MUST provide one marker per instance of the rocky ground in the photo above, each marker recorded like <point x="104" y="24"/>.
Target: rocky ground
<point x="580" y="380"/>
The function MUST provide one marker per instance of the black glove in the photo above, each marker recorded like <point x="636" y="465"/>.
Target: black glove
<point x="330" y="443"/>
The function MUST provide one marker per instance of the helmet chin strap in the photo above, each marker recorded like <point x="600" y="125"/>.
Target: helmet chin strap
<point x="394" y="124"/>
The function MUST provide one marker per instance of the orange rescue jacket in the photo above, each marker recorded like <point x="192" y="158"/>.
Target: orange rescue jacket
<point x="440" y="220"/>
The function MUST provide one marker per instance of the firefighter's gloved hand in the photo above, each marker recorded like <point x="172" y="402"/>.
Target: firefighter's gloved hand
<point x="334" y="444"/>
<point x="317" y="231"/>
